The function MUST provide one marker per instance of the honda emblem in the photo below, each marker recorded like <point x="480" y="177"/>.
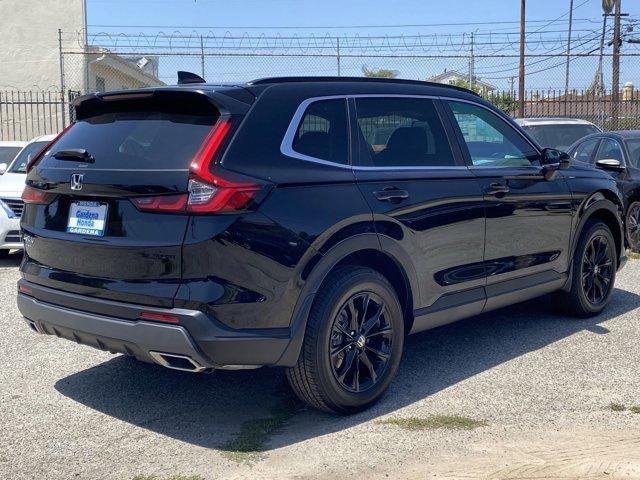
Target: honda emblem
<point x="76" y="181"/>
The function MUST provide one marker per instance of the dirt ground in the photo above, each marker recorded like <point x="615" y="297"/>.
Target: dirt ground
<point x="554" y="397"/>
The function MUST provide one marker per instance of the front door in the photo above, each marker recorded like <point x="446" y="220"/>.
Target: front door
<point x="529" y="218"/>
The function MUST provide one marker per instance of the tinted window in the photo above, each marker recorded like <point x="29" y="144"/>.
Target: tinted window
<point x="323" y="132"/>
<point x="7" y="154"/>
<point x="19" y="165"/>
<point x="609" y="150"/>
<point x="634" y="152"/>
<point x="584" y="151"/>
<point x="137" y="140"/>
<point x="560" y="137"/>
<point x="401" y="132"/>
<point x="491" y="141"/>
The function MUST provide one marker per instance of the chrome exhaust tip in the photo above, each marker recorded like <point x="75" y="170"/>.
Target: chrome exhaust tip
<point x="174" y="361"/>
<point x="33" y="326"/>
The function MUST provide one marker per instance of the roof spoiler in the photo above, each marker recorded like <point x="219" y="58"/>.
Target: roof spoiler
<point x="185" y="78"/>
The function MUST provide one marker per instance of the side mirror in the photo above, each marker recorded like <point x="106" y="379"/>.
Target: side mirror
<point x="3" y="168"/>
<point x="554" y="160"/>
<point x="610" y="164"/>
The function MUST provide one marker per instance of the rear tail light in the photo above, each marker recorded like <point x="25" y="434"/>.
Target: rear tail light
<point x="36" y="158"/>
<point x="209" y="191"/>
<point x="24" y="289"/>
<point x="34" y="195"/>
<point x="162" y="203"/>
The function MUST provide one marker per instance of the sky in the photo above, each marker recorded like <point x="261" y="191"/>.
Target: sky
<point x="315" y="15"/>
<point x="439" y="20"/>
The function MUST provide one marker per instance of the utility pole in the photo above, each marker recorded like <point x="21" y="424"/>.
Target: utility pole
<point x="521" y="70"/>
<point x="566" y="77"/>
<point x="472" y="62"/>
<point x="615" y="78"/>
<point x="201" y="56"/>
<point x="338" y="56"/>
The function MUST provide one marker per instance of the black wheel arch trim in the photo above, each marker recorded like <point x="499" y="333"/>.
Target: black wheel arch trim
<point x="589" y="209"/>
<point x="324" y="265"/>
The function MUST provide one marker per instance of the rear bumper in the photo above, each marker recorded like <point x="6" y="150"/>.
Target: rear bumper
<point x="195" y="343"/>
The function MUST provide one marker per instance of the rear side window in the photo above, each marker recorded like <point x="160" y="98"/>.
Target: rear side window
<point x="323" y="133"/>
<point x="396" y="132"/>
<point x="135" y="140"/>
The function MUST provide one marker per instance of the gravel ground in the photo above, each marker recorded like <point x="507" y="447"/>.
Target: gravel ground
<point x="542" y="384"/>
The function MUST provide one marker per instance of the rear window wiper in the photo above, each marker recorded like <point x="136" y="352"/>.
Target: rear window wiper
<point x="74" y="155"/>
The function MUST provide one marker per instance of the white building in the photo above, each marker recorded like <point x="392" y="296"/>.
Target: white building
<point x="451" y="76"/>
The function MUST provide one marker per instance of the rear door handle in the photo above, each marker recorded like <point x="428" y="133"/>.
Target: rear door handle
<point x="496" y="189"/>
<point x="392" y="195"/>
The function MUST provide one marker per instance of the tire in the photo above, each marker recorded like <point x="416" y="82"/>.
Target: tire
<point x="360" y="367"/>
<point x="632" y="226"/>
<point x="590" y="269"/>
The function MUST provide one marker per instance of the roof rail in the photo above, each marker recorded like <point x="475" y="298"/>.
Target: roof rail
<point x="267" y="80"/>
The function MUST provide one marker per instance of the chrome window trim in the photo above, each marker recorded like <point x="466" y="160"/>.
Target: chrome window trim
<point x="286" y="146"/>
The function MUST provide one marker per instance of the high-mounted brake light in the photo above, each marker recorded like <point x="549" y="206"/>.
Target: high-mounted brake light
<point x="208" y="192"/>
<point x="36" y="158"/>
<point x="34" y="195"/>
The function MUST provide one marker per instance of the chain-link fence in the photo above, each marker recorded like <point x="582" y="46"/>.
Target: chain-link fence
<point x="487" y="63"/>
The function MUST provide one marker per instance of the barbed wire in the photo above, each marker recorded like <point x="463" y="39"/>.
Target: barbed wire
<point x="484" y="43"/>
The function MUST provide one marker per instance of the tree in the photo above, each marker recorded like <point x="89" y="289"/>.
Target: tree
<point x="505" y="101"/>
<point x="379" y="73"/>
<point x="465" y="84"/>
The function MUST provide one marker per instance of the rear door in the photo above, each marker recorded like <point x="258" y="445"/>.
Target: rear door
<point x="91" y="234"/>
<point x="425" y="200"/>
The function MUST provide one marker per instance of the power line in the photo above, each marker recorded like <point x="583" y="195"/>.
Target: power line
<point x="330" y="27"/>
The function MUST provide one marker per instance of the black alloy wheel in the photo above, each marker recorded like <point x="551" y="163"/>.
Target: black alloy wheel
<point x="353" y="342"/>
<point x="361" y="342"/>
<point x="597" y="269"/>
<point x="633" y="226"/>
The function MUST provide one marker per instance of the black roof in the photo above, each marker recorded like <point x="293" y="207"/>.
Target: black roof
<point x="397" y="81"/>
<point x="627" y="134"/>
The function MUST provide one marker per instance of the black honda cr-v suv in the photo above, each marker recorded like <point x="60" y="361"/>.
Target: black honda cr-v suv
<point x="308" y="223"/>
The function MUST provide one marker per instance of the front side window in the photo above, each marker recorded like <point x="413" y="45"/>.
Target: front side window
<point x="491" y="141"/>
<point x="584" y="151"/>
<point x="610" y="150"/>
<point x="401" y="132"/>
<point x="323" y="132"/>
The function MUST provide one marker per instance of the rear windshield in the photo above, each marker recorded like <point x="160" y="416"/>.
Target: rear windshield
<point x="560" y="137"/>
<point x="19" y="165"/>
<point x="8" y="153"/>
<point x="135" y="140"/>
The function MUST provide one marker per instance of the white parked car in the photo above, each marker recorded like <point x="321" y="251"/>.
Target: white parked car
<point x="8" y="151"/>
<point x="12" y="176"/>
<point x="558" y="133"/>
